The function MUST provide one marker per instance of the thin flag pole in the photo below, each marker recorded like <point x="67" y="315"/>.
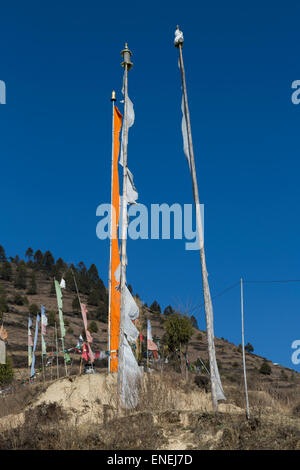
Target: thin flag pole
<point x="126" y="64"/>
<point x="113" y="100"/>
<point x="243" y="348"/>
<point x="207" y="298"/>
<point x="147" y="347"/>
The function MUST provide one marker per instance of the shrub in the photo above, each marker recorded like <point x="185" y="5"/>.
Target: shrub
<point x="32" y="289"/>
<point x="199" y="337"/>
<point x="18" y="299"/>
<point x="155" y="307"/>
<point x="33" y="309"/>
<point x="179" y="331"/>
<point x="265" y="368"/>
<point x="202" y="381"/>
<point x="101" y="314"/>
<point x="249" y="348"/>
<point x="6" y="371"/>
<point x="93" y="327"/>
<point x="70" y="330"/>
<point x="51" y="317"/>
<point x="76" y="305"/>
<point x="3" y="301"/>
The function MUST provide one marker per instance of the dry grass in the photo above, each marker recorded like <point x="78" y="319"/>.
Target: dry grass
<point x="171" y="414"/>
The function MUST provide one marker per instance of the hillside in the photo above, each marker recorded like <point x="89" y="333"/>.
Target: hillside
<point x="15" y="319"/>
<point x="271" y="393"/>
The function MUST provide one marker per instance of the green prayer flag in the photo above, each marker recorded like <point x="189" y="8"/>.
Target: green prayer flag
<point x="29" y="355"/>
<point x="60" y="306"/>
<point x="44" y="352"/>
<point x="58" y="294"/>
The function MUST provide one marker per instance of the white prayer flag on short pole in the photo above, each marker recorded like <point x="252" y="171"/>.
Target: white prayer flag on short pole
<point x="62" y="283"/>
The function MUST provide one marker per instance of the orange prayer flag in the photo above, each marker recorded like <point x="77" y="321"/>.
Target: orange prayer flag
<point x="115" y="297"/>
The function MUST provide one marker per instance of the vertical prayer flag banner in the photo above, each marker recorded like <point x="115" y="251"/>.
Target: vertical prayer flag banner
<point x="88" y="334"/>
<point x="30" y="342"/>
<point x="60" y="306"/>
<point x="115" y="257"/>
<point x="150" y="344"/>
<point x="131" y="193"/>
<point x="3" y="338"/>
<point x="34" y="345"/>
<point x="44" y="323"/>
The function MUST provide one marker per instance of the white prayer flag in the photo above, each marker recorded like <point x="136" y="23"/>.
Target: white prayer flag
<point x="185" y="134"/>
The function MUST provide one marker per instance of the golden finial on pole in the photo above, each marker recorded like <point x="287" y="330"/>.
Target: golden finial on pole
<point x="113" y="96"/>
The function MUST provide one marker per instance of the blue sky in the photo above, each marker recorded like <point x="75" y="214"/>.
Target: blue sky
<point x="60" y="62"/>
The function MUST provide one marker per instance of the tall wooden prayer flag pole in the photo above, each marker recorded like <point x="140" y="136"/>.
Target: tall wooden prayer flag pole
<point x="113" y="100"/>
<point x="126" y="64"/>
<point x="207" y="297"/>
<point x="243" y="348"/>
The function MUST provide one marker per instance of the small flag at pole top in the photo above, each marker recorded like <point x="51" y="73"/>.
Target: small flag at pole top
<point x="62" y="283"/>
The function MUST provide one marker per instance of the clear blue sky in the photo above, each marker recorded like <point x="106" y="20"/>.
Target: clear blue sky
<point x="60" y="62"/>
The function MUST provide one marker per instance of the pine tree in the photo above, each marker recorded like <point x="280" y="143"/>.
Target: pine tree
<point x="194" y="322"/>
<point x="249" y="348"/>
<point x="6" y="271"/>
<point x="155" y="307"/>
<point x="94" y="297"/>
<point x="2" y="254"/>
<point x="48" y="260"/>
<point x="76" y="305"/>
<point x="93" y="273"/>
<point x="168" y="311"/>
<point x="21" y="275"/>
<point x="29" y="254"/>
<point x="32" y="290"/>
<point x="38" y="257"/>
<point x="3" y="302"/>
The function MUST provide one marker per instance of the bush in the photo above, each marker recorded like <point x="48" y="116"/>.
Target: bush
<point x="265" y="368"/>
<point x="32" y="289"/>
<point x="179" y="331"/>
<point x="33" y="309"/>
<point x="51" y="317"/>
<point x="199" y="337"/>
<point x="101" y="314"/>
<point x="70" y="330"/>
<point x="18" y="299"/>
<point x="75" y="305"/>
<point x="155" y="307"/>
<point x="6" y="371"/>
<point x="93" y="327"/>
<point x="3" y="301"/>
<point x="249" y="348"/>
<point x="202" y="381"/>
